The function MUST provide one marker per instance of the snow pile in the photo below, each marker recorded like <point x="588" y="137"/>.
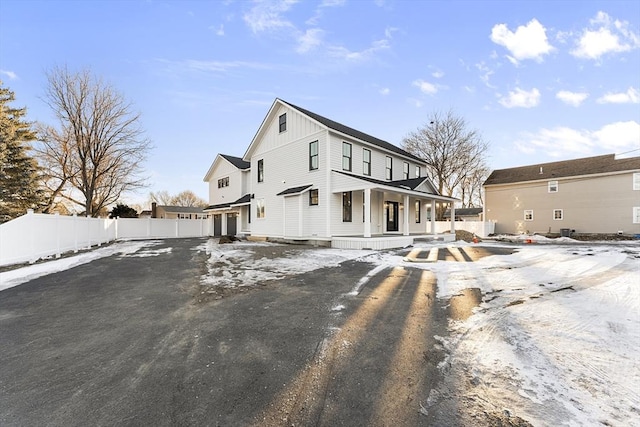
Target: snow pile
<point x="557" y="338"/>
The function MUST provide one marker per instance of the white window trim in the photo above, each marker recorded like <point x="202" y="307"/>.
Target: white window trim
<point x="260" y="202"/>
<point x="636" y="181"/>
<point x="553" y="184"/>
<point x="525" y="214"/>
<point x="561" y="215"/>
<point x="636" y="215"/>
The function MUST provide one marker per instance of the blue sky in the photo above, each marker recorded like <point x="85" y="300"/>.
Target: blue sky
<point x="540" y="80"/>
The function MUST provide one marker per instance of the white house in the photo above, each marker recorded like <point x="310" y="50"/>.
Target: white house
<point x="308" y="178"/>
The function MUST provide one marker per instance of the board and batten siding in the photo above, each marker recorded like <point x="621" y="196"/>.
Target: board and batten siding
<point x="590" y="204"/>
<point x="286" y="165"/>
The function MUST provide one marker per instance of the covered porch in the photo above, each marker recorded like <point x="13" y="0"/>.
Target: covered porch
<point x="394" y="213"/>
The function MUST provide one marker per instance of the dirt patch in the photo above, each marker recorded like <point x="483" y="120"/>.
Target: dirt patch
<point x="467" y="236"/>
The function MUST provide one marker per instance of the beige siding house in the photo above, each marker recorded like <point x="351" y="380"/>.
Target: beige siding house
<point x="308" y="178"/>
<point x="589" y="195"/>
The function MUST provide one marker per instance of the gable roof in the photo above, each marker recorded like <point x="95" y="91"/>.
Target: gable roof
<point x="336" y="127"/>
<point x="354" y="133"/>
<point x="236" y="161"/>
<point x="180" y="209"/>
<point x="463" y="212"/>
<point x="563" y="169"/>
<point x="244" y="200"/>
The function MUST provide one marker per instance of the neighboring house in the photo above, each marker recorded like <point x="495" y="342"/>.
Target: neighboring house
<point x="465" y="214"/>
<point x="177" y="212"/>
<point x="590" y="195"/>
<point x="305" y="177"/>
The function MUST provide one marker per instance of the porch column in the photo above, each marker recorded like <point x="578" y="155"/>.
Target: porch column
<point x="433" y="217"/>
<point x="239" y="221"/>
<point x="223" y="223"/>
<point x="405" y="232"/>
<point x="367" y="212"/>
<point x="453" y="220"/>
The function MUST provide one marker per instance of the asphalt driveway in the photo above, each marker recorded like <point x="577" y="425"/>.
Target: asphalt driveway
<point x="131" y="341"/>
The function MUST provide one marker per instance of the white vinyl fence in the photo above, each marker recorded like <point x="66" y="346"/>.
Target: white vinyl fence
<point x="34" y="236"/>
<point x="479" y="228"/>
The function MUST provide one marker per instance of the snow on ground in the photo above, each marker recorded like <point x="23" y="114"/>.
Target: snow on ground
<point x="556" y="340"/>
<point x="11" y="278"/>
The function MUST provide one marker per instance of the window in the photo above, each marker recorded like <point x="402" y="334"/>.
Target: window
<point x="636" y="215"/>
<point x="366" y="162"/>
<point x="223" y="182"/>
<point x="346" y="206"/>
<point x="282" y="122"/>
<point x="557" y="214"/>
<point x="418" y="172"/>
<point x="405" y="170"/>
<point x="260" y="170"/>
<point x="313" y="155"/>
<point x="553" y="186"/>
<point x="389" y="169"/>
<point x="260" y="208"/>
<point x="346" y="156"/>
<point x="636" y="181"/>
<point x="418" y="204"/>
<point x="313" y="197"/>
<point x="528" y="215"/>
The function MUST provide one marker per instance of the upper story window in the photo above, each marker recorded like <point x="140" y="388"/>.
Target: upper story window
<point x="313" y="197"/>
<point x="636" y="181"/>
<point x="223" y="182"/>
<point x="260" y="170"/>
<point x="528" y="215"/>
<point x="553" y="186"/>
<point x="282" y="122"/>
<point x="313" y="155"/>
<point x="418" y="172"/>
<point x="346" y="206"/>
<point x="366" y="162"/>
<point x="389" y="169"/>
<point x="346" y="156"/>
<point x="405" y="170"/>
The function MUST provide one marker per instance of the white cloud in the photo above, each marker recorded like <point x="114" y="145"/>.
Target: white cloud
<point x="572" y="98"/>
<point x="10" y="74"/>
<point x="605" y="36"/>
<point x="521" y="98"/>
<point x="385" y="91"/>
<point x="426" y="87"/>
<point x="486" y="74"/>
<point x="564" y="142"/>
<point x="631" y="96"/>
<point x="357" y="56"/>
<point x="267" y="16"/>
<point x="527" y="42"/>
<point x="438" y="74"/>
<point x="219" y="31"/>
<point x="311" y="39"/>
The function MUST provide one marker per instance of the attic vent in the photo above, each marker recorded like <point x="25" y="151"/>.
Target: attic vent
<point x="540" y="170"/>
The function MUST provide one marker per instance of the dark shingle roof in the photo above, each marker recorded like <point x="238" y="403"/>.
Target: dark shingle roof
<point x="241" y="201"/>
<point x="463" y="212"/>
<point x="355" y="133"/>
<point x="563" y="169"/>
<point x="293" y="190"/>
<point x="406" y="184"/>
<point x="181" y="209"/>
<point x="236" y="161"/>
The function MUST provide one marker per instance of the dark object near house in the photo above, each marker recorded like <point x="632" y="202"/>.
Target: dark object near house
<point x="227" y="239"/>
<point x="565" y="232"/>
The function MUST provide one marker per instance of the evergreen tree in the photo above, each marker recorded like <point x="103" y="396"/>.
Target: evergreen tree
<point x="123" y="211"/>
<point x="19" y="189"/>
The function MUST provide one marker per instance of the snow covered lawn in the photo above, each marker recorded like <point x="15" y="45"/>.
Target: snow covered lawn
<point x="556" y="340"/>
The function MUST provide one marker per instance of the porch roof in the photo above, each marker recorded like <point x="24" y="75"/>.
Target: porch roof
<point x="294" y="190"/>
<point x="404" y="186"/>
<point x="244" y="200"/>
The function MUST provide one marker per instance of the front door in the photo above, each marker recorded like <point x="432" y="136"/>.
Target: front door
<point x="231" y="224"/>
<point x="392" y="216"/>
<point x="217" y="225"/>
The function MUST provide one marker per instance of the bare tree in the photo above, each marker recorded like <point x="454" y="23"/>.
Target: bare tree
<point x="96" y="153"/>
<point x="453" y="153"/>
<point x="185" y="198"/>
